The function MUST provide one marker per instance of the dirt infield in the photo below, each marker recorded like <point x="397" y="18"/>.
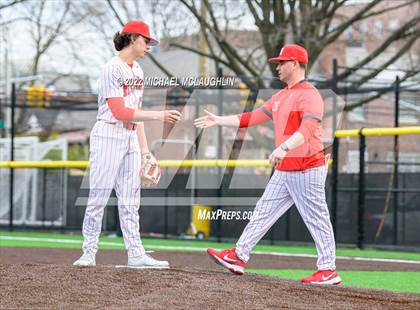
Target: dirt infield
<point x="44" y="278"/>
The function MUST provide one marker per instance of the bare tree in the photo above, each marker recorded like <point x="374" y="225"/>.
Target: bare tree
<point x="107" y="16"/>
<point x="163" y="11"/>
<point x="45" y="31"/>
<point x="314" y="24"/>
<point x="167" y="19"/>
<point x="6" y="4"/>
<point x="49" y="24"/>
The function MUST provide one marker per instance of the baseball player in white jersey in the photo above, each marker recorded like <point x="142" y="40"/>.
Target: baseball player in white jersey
<point x="301" y="168"/>
<point x="117" y="145"/>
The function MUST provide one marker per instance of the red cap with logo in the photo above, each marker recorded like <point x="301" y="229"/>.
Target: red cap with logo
<point x="140" y="28"/>
<point x="291" y="52"/>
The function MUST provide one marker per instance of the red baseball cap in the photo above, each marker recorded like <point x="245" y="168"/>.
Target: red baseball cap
<point x="140" y="28"/>
<point x="292" y="52"/>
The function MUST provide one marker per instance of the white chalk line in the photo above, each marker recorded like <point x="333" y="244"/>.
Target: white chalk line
<point x="197" y="249"/>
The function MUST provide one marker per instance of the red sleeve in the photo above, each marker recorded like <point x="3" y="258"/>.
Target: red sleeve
<point x="311" y="104"/>
<point x="119" y="110"/>
<point x="257" y="116"/>
<point x="308" y="127"/>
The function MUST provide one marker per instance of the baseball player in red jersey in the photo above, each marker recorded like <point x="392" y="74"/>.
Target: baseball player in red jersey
<point x="118" y="145"/>
<point x="300" y="163"/>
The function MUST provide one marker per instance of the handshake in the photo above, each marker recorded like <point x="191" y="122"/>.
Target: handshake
<point x="150" y="172"/>
<point x="150" y="167"/>
<point x="209" y="120"/>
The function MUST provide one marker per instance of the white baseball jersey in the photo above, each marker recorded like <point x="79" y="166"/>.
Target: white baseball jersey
<point x="118" y="79"/>
<point x="114" y="159"/>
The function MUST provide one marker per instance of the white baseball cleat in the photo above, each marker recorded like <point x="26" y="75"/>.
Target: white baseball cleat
<point x="146" y="261"/>
<point x="86" y="260"/>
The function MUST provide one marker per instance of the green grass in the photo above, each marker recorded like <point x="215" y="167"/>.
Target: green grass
<point x="400" y="281"/>
<point x="151" y="243"/>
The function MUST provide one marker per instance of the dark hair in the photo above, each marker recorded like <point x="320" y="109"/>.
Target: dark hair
<point x="122" y="40"/>
<point x="303" y="65"/>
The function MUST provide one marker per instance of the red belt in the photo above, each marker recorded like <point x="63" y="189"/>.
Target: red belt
<point x="126" y="125"/>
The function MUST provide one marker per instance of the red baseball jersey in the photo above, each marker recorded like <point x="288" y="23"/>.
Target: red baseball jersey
<point x="299" y="108"/>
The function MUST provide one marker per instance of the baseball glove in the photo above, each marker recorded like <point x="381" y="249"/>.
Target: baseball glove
<point x="150" y="170"/>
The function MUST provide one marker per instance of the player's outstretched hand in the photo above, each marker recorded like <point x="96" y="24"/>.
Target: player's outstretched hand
<point x="170" y="116"/>
<point x="209" y="120"/>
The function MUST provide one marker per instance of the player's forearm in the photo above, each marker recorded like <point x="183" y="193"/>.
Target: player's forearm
<point x="144" y="148"/>
<point x="308" y="127"/>
<point x="123" y="113"/>
<point x="254" y="118"/>
<point x="119" y="110"/>
<point x="141" y="115"/>
<point x="296" y="140"/>
<point x="228" y="120"/>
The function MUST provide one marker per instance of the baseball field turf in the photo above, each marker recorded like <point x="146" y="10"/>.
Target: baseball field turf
<point x="393" y="280"/>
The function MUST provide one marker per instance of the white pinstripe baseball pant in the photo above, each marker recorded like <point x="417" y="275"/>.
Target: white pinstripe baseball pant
<point x="305" y="189"/>
<point x="114" y="163"/>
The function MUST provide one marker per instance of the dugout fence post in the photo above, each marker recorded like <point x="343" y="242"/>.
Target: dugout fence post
<point x="220" y="154"/>
<point x="396" y="158"/>
<point x="12" y="155"/>
<point x="219" y="128"/>
<point x="44" y="195"/>
<point x="362" y="192"/>
<point x="334" y="184"/>
<point x="334" y="89"/>
<point x="165" y="210"/>
<point x="404" y="202"/>
<point x="63" y="198"/>
<point x="165" y="216"/>
<point x="336" y="143"/>
<point x="287" y="236"/>
<point x="2" y="120"/>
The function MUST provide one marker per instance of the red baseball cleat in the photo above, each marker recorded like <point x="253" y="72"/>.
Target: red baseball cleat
<point x="323" y="277"/>
<point x="228" y="259"/>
